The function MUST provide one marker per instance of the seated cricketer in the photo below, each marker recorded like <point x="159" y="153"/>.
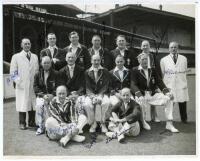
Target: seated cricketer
<point x="96" y="103"/>
<point x="45" y="83"/>
<point x="72" y="76"/>
<point x="59" y="125"/>
<point x="144" y="84"/>
<point x="125" y="117"/>
<point x="121" y="78"/>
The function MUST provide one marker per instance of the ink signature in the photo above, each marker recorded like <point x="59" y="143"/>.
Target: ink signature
<point x="117" y="134"/>
<point x="171" y="72"/>
<point x="67" y="129"/>
<point x="92" y="142"/>
<point x="15" y="75"/>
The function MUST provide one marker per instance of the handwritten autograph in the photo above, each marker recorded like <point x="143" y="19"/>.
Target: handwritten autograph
<point x="172" y="72"/>
<point x="117" y="134"/>
<point x="92" y="142"/>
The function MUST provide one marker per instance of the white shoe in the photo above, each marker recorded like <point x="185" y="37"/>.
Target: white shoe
<point x="64" y="140"/>
<point x="111" y="135"/>
<point x="146" y="126"/>
<point x="78" y="138"/>
<point x="103" y="128"/>
<point x="120" y="138"/>
<point x="170" y="127"/>
<point x="93" y="127"/>
<point x="39" y="131"/>
<point x="80" y="131"/>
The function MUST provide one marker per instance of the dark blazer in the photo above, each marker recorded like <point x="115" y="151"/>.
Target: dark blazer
<point x="130" y="57"/>
<point x="59" y="54"/>
<point x="139" y="82"/>
<point x="102" y="85"/>
<point x="132" y="113"/>
<point x="117" y="83"/>
<point x="83" y="56"/>
<point x="39" y="86"/>
<point x="107" y="60"/>
<point x="76" y="83"/>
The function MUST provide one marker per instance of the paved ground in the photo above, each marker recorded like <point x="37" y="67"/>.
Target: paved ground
<point x="154" y="142"/>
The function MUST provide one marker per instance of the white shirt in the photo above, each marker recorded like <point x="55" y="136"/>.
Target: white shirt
<point x="28" y="54"/>
<point x="172" y="56"/>
<point x="121" y="72"/>
<point x="122" y="52"/>
<point x="74" y="48"/>
<point x="51" y="48"/>
<point x="146" y="72"/>
<point x="46" y="74"/>
<point x="96" y="52"/>
<point x="126" y="105"/>
<point x="71" y="70"/>
<point x="95" y="71"/>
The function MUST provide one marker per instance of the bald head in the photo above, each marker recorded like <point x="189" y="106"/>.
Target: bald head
<point x="26" y="44"/>
<point x="61" y="88"/>
<point x="61" y="93"/>
<point x="96" y="61"/>
<point x="145" y="46"/>
<point x="71" y="58"/>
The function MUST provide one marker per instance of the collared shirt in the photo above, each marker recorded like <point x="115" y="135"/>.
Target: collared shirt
<point x="96" y="52"/>
<point x="51" y="48"/>
<point x="121" y="72"/>
<point x="146" y="72"/>
<point x="71" y="70"/>
<point x="172" y="56"/>
<point x="126" y="105"/>
<point x="74" y="48"/>
<point x="122" y="52"/>
<point x="95" y="71"/>
<point x="46" y="74"/>
<point x="28" y="54"/>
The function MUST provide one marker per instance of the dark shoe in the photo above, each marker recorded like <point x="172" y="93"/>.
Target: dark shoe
<point x="122" y="141"/>
<point x="32" y="125"/>
<point x="22" y="127"/>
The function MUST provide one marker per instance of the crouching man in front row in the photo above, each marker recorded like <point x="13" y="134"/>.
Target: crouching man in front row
<point x="59" y="126"/>
<point x="125" y="117"/>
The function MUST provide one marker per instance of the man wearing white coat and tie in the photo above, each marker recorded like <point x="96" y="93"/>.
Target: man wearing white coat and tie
<point x="174" y="68"/>
<point x="24" y="66"/>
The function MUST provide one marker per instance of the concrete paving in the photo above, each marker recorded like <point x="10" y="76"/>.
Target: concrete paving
<point x="154" y="142"/>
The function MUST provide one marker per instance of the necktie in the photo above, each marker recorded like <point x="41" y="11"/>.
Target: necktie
<point x="28" y="56"/>
<point x="175" y="58"/>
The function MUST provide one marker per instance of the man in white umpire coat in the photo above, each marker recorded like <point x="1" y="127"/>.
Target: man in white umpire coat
<point x="23" y="67"/>
<point x="174" y="68"/>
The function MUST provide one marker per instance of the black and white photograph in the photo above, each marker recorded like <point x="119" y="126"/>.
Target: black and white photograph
<point x="98" y="79"/>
